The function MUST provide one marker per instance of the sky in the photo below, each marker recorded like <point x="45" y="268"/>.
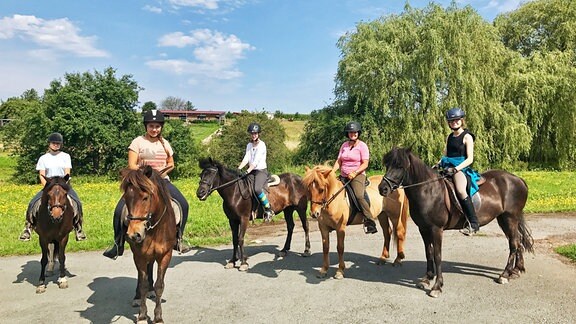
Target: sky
<point x="228" y="55"/>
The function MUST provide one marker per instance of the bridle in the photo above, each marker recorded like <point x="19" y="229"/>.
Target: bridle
<point x="214" y="171"/>
<point x="147" y="219"/>
<point x="58" y="205"/>
<point x="324" y="203"/>
<point x="395" y="185"/>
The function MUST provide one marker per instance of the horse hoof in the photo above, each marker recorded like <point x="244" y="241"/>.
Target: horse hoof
<point x="136" y="302"/>
<point x="321" y="274"/>
<point x="306" y="254"/>
<point x="423" y="284"/>
<point x="339" y="275"/>
<point x="243" y="267"/>
<point x="62" y="283"/>
<point x="434" y="293"/>
<point x="282" y="254"/>
<point x="41" y="289"/>
<point x="381" y="261"/>
<point x="502" y="280"/>
<point x="397" y="263"/>
<point x="229" y="265"/>
<point x="144" y="321"/>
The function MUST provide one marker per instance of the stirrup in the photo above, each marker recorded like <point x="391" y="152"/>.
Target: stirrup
<point x="468" y="230"/>
<point x="25" y="236"/>
<point x="268" y="214"/>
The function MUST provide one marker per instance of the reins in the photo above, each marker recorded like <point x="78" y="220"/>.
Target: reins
<point x="421" y="183"/>
<point x="327" y="202"/>
<point x="148" y="218"/>
<point x="224" y="185"/>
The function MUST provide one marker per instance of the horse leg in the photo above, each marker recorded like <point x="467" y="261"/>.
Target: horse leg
<point x="150" y="271"/>
<point x="243" y="257"/>
<point x="142" y="289"/>
<point x="159" y="286"/>
<point x="51" y="259"/>
<point x="325" y="250"/>
<point x="234" y="225"/>
<point x="43" y="261"/>
<point x="437" y="234"/>
<point x="340" y="235"/>
<point x="306" y="226"/>
<point x="400" y="230"/>
<point x="513" y="244"/>
<point x="384" y="223"/>
<point x="288" y="216"/>
<point x="424" y="282"/>
<point x="61" y="247"/>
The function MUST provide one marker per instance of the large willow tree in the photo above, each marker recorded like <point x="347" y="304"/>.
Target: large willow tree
<point x="404" y="71"/>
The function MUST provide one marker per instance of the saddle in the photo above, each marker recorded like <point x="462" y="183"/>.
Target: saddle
<point x="273" y="180"/>
<point x="354" y="205"/>
<point x="451" y="198"/>
<point x="175" y="205"/>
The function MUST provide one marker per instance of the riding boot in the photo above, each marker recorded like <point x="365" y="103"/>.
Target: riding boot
<point x="369" y="226"/>
<point x="80" y="236"/>
<point x="470" y="214"/>
<point x="268" y="212"/>
<point x="118" y="248"/>
<point x="181" y="246"/>
<point x="26" y="233"/>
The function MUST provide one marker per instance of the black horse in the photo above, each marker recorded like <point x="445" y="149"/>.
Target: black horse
<point x="237" y="196"/>
<point x="503" y="196"/>
<point x="54" y="223"/>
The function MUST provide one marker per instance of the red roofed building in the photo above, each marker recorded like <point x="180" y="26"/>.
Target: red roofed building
<point x="195" y="115"/>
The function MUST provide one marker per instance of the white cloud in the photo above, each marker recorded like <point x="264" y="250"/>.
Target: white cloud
<point x="207" y="4"/>
<point x="152" y="9"/>
<point x="215" y="55"/>
<point x="59" y="35"/>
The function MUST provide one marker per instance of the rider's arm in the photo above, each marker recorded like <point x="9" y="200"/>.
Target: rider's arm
<point x="469" y="143"/>
<point x="132" y="160"/>
<point x="169" y="165"/>
<point x="246" y="158"/>
<point x="42" y="174"/>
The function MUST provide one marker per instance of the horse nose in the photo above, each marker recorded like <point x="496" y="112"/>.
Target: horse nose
<point x="314" y="214"/>
<point x="383" y="190"/>
<point x="136" y="237"/>
<point x="201" y="194"/>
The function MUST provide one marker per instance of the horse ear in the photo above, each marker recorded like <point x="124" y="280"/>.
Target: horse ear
<point x="147" y="171"/>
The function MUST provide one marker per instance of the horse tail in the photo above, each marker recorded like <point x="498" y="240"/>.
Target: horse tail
<point x="525" y="235"/>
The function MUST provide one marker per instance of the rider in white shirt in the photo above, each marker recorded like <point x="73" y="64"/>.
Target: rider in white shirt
<point x="255" y="158"/>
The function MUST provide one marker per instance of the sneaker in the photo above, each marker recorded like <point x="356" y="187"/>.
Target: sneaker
<point x="268" y="214"/>
<point x="469" y="231"/>
<point x="80" y="236"/>
<point x="25" y="236"/>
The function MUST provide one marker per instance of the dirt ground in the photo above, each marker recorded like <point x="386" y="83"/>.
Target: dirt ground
<point x="286" y="290"/>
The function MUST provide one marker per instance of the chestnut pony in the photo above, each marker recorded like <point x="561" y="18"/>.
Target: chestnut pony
<point x="236" y="192"/>
<point x="503" y="196"/>
<point x="330" y="205"/>
<point x="54" y="223"/>
<point x="151" y="232"/>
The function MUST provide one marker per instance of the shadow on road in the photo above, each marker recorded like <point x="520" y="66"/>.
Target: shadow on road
<point x="111" y="299"/>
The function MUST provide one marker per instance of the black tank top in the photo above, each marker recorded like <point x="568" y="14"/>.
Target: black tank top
<point x="455" y="144"/>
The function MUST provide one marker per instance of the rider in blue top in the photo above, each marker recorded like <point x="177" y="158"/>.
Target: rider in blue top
<point x="457" y="159"/>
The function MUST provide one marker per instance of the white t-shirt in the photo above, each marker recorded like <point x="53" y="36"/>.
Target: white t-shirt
<point x="256" y="155"/>
<point x="54" y="164"/>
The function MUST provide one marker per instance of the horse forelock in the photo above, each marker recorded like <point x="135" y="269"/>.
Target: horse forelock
<point x="137" y="179"/>
<point x="321" y="175"/>
<point x="57" y="181"/>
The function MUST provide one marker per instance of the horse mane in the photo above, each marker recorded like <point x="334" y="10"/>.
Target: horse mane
<point x="321" y="174"/>
<point x="403" y="158"/>
<point x="53" y="181"/>
<point x="205" y="163"/>
<point x="145" y="179"/>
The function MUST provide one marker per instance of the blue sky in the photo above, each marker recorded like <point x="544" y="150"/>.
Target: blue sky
<point x="219" y="54"/>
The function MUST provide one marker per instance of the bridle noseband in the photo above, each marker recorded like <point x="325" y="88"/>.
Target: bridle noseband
<point x="210" y="184"/>
<point x="147" y="219"/>
<point x="324" y="203"/>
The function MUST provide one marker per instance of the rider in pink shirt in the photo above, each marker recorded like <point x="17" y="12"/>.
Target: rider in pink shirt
<point x="353" y="161"/>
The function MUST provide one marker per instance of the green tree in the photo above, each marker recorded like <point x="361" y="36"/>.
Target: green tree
<point x="186" y="151"/>
<point x="231" y="146"/>
<point x="175" y="103"/>
<point x="95" y="114"/>
<point x="149" y="105"/>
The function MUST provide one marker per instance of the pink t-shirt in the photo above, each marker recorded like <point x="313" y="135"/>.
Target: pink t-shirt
<point x="153" y="154"/>
<point x="351" y="157"/>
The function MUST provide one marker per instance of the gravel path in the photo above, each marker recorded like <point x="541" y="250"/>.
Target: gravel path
<point x="199" y="289"/>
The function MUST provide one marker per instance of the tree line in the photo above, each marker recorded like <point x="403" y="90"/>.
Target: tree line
<point x="514" y="77"/>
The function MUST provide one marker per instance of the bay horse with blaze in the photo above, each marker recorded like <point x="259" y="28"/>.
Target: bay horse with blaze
<point x="238" y="204"/>
<point x="330" y="205"/>
<point x="151" y="232"/>
<point x="53" y="225"/>
<point x="503" y="196"/>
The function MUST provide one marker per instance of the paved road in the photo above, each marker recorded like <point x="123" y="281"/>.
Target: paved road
<point x="199" y="289"/>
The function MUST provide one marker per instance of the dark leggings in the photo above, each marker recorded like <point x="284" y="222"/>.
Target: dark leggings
<point x="176" y="195"/>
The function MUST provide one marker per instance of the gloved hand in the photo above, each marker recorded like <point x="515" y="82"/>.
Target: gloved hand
<point x="449" y="172"/>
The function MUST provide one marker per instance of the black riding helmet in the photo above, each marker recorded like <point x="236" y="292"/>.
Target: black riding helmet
<point x="55" y="138"/>
<point x="254" y="128"/>
<point x="153" y="116"/>
<point x="455" y="113"/>
<point x="352" y="126"/>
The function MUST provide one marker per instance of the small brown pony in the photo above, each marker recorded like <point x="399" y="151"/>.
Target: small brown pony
<point x="151" y="232"/>
<point x="503" y="196"/>
<point x="330" y="205"/>
<point x="54" y="223"/>
<point x="238" y="204"/>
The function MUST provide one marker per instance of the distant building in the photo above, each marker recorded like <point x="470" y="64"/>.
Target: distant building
<point x="196" y="115"/>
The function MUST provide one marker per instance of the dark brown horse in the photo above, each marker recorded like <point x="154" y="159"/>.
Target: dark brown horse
<point x="503" y="196"/>
<point x="54" y="223"/>
<point x="237" y="196"/>
<point x="151" y="232"/>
